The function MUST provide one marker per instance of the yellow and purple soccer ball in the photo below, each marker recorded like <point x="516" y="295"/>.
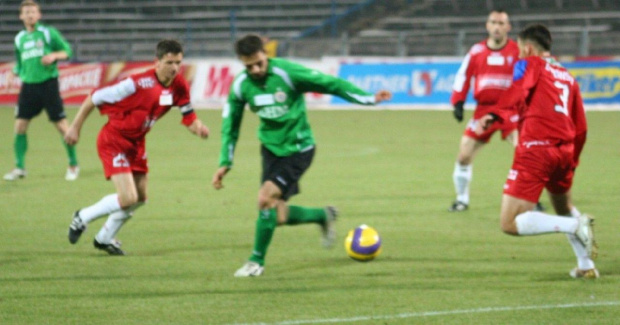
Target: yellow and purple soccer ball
<point x="363" y="243"/>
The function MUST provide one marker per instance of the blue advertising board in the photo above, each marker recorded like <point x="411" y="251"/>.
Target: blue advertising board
<point x="431" y="83"/>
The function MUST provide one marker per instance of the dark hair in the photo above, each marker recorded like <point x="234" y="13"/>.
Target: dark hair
<point x="538" y="34"/>
<point x="249" y="45"/>
<point x="499" y="11"/>
<point x="168" y="46"/>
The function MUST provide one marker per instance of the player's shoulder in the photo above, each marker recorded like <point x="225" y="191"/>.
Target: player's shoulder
<point x="180" y="81"/>
<point x="512" y="46"/>
<point x="478" y="48"/>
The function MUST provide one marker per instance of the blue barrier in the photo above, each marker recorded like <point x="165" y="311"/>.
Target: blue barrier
<point x="431" y="83"/>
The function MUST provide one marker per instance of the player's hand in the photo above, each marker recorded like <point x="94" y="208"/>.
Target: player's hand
<point x="382" y="95"/>
<point x="72" y="136"/>
<point x="218" y="177"/>
<point x="483" y="123"/>
<point x="203" y="131"/>
<point x="48" y="59"/>
<point x="458" y="111"/>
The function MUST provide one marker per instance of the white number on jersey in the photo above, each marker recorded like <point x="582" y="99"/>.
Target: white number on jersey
<point x="563" y="97"/>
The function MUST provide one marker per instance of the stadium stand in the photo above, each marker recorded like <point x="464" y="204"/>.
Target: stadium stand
<point x="112" y="30"/>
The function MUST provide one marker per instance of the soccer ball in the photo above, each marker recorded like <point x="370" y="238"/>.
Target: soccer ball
<point x="363" y="243"/>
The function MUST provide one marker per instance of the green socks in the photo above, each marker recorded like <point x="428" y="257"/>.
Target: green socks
<point x="298" y="215"/>
<point x="71" y="154"/>
<point x="265" y="226"/>
<point x="20" y="146"/>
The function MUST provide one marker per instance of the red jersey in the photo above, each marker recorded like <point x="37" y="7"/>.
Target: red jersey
<point x="133" y="105"/>
<point x="492" y="70"/>
<point x="553" y="111"/>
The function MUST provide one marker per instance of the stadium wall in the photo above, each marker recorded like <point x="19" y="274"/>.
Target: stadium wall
<point x="417" y="83"/>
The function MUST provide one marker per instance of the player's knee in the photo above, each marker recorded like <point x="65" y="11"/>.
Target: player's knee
<point x="265" y="201"/>
<point x="509" y="228"/>
<point x="128" y="199"/>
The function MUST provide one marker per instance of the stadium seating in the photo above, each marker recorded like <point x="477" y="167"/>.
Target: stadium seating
<point x="101" y="30"/>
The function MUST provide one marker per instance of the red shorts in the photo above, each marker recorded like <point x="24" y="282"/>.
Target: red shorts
<point x="121" y="155"/>
<point x="533" y="168"/>
<point x="506" y="127"/>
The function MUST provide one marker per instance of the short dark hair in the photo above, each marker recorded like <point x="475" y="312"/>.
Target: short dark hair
<point x="538" y="34"/>
<point x="249" y="45"/>
<point x="168" y="46"/>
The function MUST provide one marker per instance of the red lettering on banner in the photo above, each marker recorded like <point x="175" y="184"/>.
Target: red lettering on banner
<point x="218" y="81"/>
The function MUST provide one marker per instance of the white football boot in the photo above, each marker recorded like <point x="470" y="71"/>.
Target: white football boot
<point x="328" y="229"/>
<point x="15" y="174"/>
<point x="585" y="234"/>
<point x="576" y="273"/>
<point x="72" y="173"/>
<point x="249" y="269"/>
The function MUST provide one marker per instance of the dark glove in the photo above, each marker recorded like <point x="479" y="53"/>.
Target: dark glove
<point x="458" y="111"/>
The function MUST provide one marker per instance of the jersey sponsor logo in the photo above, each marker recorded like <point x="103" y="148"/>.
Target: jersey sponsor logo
<point x="28" y="45"/>
<point x="494" y="81"/>
<point x="165" y="99"/>
<point x="120" y="160"/>
<point x="512" y="175"/>
<point x="33" y="53"/>
<point x="496" y="60"/>
<point x="272" y="112"/>
<point x="529" y="144"/>
<point x="264" y="100"/>
<point x="146" y="82"/>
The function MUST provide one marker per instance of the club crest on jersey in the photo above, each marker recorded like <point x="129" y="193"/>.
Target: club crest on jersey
<point x="146" y="82"/>
<point x="280" y="96"/>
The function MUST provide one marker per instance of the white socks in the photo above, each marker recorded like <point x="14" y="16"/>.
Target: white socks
<point x="535" y="223"/>
<point x="462" y="177"/>
<point x="583" y="260"/>
<point x="107" y="205"/>
<point x="114" y="223"/>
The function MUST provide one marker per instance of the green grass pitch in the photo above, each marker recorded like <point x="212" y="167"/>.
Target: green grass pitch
<point x="389" y="169"/>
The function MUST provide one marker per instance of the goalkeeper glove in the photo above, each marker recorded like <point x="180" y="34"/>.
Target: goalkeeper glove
<point x="458" y="111"/>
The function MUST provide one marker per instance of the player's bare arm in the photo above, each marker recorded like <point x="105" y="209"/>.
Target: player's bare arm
<point x="218" y="177"/>
<point x="53" y="57"/>
<point x="382" y="95"/>
<point x="73" y="133"/>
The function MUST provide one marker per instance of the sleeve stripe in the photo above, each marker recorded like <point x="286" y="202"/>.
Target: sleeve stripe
<point x="461" y="76"/>
<point x="364" y="99"/>
<point x="284" y="75"/>
<point x="115" y="93"/>
<point x="237" y="85"/>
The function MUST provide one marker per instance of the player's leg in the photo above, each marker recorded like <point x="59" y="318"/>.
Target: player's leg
<point x="463" y="171"/>
<point x="28" y="106"/>
<point x="585" y="265"/>
<point x="55" y="111"/>
<point x="20" y="146"/>
<point x="106" y="238"/>
<point x="125" y="196"/>
<point x="269" y="203"/>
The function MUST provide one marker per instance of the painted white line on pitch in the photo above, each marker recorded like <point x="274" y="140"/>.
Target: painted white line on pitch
<point x="438" y="313"/>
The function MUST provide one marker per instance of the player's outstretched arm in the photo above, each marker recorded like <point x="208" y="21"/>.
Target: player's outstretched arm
<point x="199" y="129"/>
<point x="73" y="132"/>
<point x="218" y="177"/>
<point x="382" y="95"/>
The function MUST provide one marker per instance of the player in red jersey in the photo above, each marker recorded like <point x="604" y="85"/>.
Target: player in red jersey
<point x="132" y="105"/>
<point x="490" y="62"/>
<point x="552" y="133"/>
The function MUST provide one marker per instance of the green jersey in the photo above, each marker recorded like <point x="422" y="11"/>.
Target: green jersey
<point x="30" y="47"/>
<point x="278" y="100"/>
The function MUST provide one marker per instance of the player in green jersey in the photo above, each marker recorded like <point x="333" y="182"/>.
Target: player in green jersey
<point x="37" y="49"/>
<point x="274" y="90"/>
